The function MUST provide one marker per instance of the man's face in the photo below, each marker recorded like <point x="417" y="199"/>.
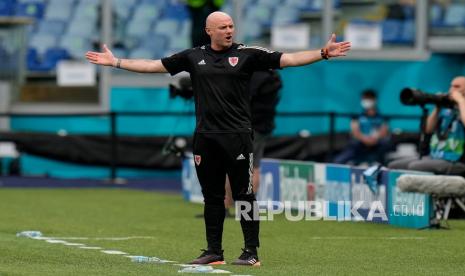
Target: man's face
<point x="221" y="32"/>
<point x="458" y="84"/>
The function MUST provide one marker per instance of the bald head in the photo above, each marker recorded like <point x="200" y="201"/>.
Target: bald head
<point x="220" y="27"/>
<point x="215" y="18"/>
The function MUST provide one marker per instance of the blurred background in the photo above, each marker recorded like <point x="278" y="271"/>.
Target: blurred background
<point x="63" y="117"/>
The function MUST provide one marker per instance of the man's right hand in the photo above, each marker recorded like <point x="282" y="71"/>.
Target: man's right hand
<point x="456" y="96"/>
<point x="102" y="58"/>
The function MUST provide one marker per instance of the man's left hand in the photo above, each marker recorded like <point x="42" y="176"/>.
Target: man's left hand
<point x="337" y="49"/>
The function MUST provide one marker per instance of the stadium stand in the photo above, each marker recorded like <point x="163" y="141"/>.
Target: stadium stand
<point x="73" y="25"/>
<point x="7" y="7"/>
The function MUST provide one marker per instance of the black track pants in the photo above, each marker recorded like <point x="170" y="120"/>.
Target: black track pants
<point x="215" y="155"/>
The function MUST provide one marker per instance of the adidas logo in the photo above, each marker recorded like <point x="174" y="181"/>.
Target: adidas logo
<point x="252" y="261"/>
<point x="240" y="157"/>
<point x="202" y="62"/>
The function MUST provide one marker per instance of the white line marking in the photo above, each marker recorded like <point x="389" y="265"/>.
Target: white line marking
<point x="155" y="260"/>
<point x="55" y="241"/>
<point x="74" y="244"/>
<point x="103" y="238"/>
<point x="113" y="252"/>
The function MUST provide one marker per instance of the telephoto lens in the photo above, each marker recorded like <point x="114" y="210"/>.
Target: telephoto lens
<point x="410" y="96"/>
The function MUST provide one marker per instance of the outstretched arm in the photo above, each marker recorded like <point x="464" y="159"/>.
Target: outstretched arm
<point x="332" y="49"/>
<point x="106" y="58"/>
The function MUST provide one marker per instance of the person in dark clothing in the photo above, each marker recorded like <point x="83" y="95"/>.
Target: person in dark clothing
<point x="199" y="10"/>
<point x="264" y="86"/>
<point x="370" y="141"/>
<point x="221" y="73"/>
<point x="264" y="90"/>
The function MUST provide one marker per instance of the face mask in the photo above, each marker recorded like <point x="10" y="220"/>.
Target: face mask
<point x="367" y="104"/>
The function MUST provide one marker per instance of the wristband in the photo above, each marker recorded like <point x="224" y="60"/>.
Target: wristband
<point x="118" y="63"/>
<point x="324" y="53"/>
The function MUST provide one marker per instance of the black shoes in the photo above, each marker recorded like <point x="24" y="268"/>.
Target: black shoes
<point x="209" y="257"/>
<point x="248" y="257"/>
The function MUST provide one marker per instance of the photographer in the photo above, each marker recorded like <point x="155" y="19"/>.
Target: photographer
<point x="446" y="125"/>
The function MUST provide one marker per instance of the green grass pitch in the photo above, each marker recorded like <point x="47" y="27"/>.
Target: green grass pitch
<point x="288" y="248"/>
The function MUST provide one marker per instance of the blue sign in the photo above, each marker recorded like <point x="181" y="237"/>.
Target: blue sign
<point x="269" y="180"/>
<point x="337" y="191"/>
<point x="412" y="210"/>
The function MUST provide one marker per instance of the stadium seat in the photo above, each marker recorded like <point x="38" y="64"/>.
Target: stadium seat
<point x="30" y="9"/>
<point x="179" y="12"/>
<point x="53" y="55"/>
<point x="123" y="8"/>
<point x="157" y="44"/>
<point x="260" y="14"/>
<point x="254" y="30"/>
<point x="82" y="28"/>
<point x="42" y="41"/>
<point x="409" y="12"/>
<point x="51" y="27"/>
<point x="61" y="11"/>
<point x="304" y="5"/>
<point x="49" y="60"/>
<point x="391" y="30"/>
<point x="168" y="27"/>
<point x="186" y="27"/>
<point x="146" y="12"/>
<point x="407" y="35"/>
<point x="61" y="2"/>
<point x="436" y="15"/>
<point x="7" y="7"/>
<point x="315" y="5"/>
<point x="138" y="28"/>
<point x="285" y="15"/>
<point x="76" y="46"/>
<point x="159" y="3"/>
<point x="455" y="15"/>
<point x="88" y="2"/>
<point x="269" y="3"/>
<point x="32" y="59"/>
<point x="180" y="42"/>
<point x="86" y="12"/>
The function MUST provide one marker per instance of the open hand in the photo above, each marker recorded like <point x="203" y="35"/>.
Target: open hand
<point x="101" y="58"/>
<point x="337" y="49"/>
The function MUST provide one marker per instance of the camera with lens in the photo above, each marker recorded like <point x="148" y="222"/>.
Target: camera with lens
<point x="182" y="88"/>
<point x="410" y="96"/>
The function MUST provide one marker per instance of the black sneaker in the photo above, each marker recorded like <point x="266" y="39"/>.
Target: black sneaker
<point x="210" y="257"/>
<point x="248" y="257"/>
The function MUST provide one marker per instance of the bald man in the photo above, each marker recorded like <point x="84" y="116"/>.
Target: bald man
<point x="447" y="154"/>
<point x="220" y="74"/>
